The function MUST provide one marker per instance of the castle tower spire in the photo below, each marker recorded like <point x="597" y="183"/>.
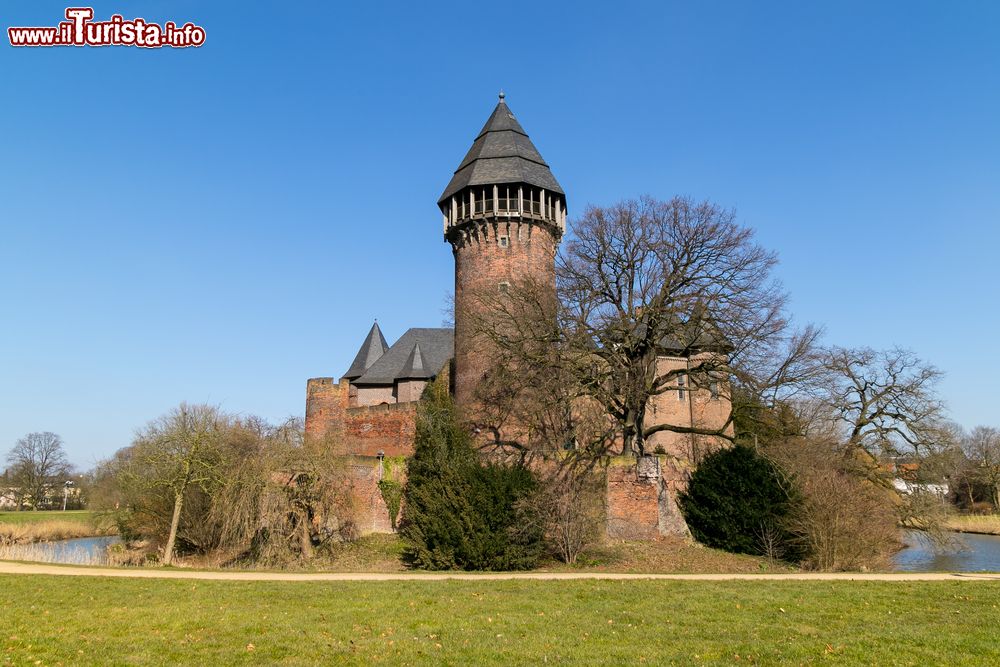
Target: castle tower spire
<point x="371" y="350"/>
<point x="504" y="214"/>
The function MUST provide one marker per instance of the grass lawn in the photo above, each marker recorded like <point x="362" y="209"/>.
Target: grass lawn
<point x="82" y="516"/>
<point x="51" y="620"/>
<point x="383" y="553"/>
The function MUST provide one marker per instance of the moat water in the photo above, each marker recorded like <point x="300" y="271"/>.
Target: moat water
<point x="78" y="551"/>
<point x="969" y="553"/>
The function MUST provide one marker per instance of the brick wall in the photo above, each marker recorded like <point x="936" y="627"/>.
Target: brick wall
<point x="370" y="513"/>
<point x="698" y="409"/>
<point x="387" y="428"/>
<point x="360" y="431"/>
<point x="409" y="390"/>
<point x="325" y="404"/>
<point x="481" y="265"/>
<point x="375" y="395"/>
<point x="642" y="499"/>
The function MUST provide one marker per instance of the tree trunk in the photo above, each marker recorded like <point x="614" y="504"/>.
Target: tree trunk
<point x="305" y="539"/>
<point x="175" y="521"/>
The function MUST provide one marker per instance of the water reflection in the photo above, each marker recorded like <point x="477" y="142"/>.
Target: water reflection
<point x="971" y="553"/>
<point x="80" y="551"/>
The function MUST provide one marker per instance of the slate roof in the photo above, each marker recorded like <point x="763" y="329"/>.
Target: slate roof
<point x="371" y="351"/>
<point x="414" y="368"/>
<point x="502" y="153"/>
<point x="434" y="347"/>
<point x="694" y="335"/>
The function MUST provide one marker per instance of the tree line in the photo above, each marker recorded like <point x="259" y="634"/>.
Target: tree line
<point x="577" y="371"/>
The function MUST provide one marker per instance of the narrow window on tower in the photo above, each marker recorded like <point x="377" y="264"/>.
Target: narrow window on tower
<point x="714" y="389"/>
<point x="680" y="387"/>
<point x="504" y="241"/>
<point x="504" y="287"/>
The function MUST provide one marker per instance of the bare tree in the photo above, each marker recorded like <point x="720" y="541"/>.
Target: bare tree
<point x="638" y="278"/>
<point x="884" y="400"/>
<point x="177" y="452"/>
<point x="37" y="461"/>
<point x="982" y="446"/>
<point x="843" y="521"/>
<point x="568" y="507"/>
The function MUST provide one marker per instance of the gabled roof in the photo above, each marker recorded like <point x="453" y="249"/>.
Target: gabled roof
<point x="502" y="153"/>
<point x="436" y="347"/>
<point x="683" y="337"/>
<point x="697" y="334"/>
<point x="371" y="351"/>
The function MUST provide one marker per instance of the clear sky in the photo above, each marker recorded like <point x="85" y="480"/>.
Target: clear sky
<point x="220" y="224"/>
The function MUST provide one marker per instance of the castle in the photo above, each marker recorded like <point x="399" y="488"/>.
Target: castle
<point x="504" y="215"/>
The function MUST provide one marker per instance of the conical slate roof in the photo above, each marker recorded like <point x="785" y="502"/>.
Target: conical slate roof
<point x="502" y="153"/>
<point x="414" y="369"/>
<point x="371" y="351"/>
<point x="436" y="347"/>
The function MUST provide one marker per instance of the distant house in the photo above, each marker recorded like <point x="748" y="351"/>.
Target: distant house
<point x="54" y="496"/>
<point x="8" y="498"/>
<point x="904" y="486"/>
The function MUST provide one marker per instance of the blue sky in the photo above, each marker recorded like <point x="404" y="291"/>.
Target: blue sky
<point x="220" y="224"/>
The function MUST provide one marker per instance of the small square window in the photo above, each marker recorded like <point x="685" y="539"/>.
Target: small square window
<point x="504" y="241"/>
<point x="504" y="287"/>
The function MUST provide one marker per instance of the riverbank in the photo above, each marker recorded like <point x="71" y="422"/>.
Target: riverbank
<point x="19" y="528"/>
<point x="486" y="621"/>
<point x="384" y="553"/>
<point x="988" y="524"/>
<point x="31" y="516"/>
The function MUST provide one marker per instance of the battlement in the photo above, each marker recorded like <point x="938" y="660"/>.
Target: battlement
<point x="361" y="410"/>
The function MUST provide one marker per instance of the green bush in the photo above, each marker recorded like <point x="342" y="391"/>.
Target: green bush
<point x="459" y="513"/>
<point x="738" y="501"/>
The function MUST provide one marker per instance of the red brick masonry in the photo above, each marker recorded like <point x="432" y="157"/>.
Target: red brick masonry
<point x="641" y="493"/>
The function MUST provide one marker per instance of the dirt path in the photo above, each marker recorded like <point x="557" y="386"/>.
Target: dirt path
<point x="7" y="567"/>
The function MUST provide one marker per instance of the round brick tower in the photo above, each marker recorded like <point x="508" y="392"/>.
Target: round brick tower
<point x="504" y="214"/>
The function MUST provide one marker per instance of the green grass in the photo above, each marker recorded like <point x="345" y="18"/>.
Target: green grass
<point x="84" y="620"/>
<point x="83" y="516"/>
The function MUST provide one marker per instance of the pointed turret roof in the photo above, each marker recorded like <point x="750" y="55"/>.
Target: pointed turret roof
<point x="371" y="351"/>
<point x="502" y="153"/>
<point x="427" y="349"/>
<point x="414" y="369"/>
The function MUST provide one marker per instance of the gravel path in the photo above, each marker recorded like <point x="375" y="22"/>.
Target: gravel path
<point x="8" y="567"/>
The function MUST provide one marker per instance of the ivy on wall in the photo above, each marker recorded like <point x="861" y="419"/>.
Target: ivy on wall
<point x="391" y="488"/>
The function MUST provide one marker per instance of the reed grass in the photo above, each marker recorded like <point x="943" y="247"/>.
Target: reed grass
<point x="32" y="516"/>
<point x="43" y="553"/>
<point x="48" y="531"/>
<point x="987" y="524"/>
